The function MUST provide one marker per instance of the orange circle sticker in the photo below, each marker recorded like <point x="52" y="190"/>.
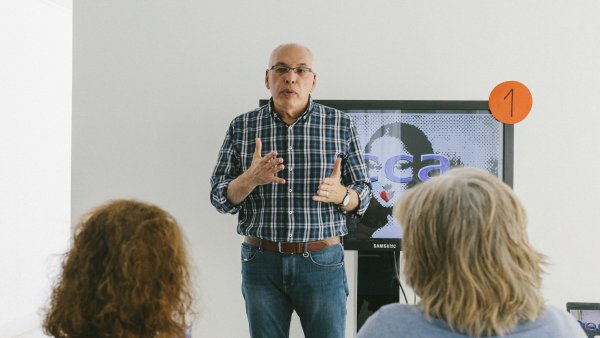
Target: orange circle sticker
<point x="510" y="102"/>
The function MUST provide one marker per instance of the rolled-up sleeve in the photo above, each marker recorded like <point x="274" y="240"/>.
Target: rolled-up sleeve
<point x="226" y="170"/>
<point x="354" y="172"/>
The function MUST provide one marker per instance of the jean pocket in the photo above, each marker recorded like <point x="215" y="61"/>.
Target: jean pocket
<point x="249" y="253"/>
<point x="331" y="257"/>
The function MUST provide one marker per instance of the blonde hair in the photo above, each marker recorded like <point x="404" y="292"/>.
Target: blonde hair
<point x="467" y="255"/>
<point x="126" y="275"/>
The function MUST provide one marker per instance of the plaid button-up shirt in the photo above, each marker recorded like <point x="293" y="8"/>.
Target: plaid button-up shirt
<point x="309" y="147"/>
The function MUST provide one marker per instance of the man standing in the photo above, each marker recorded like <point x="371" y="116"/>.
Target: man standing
<point x="292" y="169"/>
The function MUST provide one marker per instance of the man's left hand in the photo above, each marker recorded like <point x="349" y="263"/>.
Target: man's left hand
<point x="331" y="189"/>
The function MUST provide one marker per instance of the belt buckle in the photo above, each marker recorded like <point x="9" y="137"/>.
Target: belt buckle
<point x="280" y="249"/>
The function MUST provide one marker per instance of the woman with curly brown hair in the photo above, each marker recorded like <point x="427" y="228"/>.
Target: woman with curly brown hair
<point x="468" y="258"/>
<point x="126" y="275"/>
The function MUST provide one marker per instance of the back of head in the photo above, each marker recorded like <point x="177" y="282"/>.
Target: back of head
<point x="126" y="275"/>
<point x="467" y="254"/>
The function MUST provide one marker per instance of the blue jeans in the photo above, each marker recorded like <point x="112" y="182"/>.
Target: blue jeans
<point x="313" y="284"/>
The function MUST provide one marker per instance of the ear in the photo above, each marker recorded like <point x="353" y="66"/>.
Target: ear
<point x="314" y="82"/>
<point x="267" y="79"/>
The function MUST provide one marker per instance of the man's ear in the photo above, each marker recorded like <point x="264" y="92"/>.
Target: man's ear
<point x="267" y="79"/>
<point x="314" y="82"/>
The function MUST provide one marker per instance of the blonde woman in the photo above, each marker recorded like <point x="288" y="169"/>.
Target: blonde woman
<point x="126" y="276"/>
<point x="467" y="256"/>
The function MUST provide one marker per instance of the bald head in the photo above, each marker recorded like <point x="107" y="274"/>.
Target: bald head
<point x="293" y="47"/>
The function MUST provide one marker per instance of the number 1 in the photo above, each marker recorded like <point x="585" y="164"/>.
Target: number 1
<point x="511" y="101"/>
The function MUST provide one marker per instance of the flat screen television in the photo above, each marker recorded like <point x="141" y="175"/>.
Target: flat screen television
<point x="407" y="142"/>
<point x="588" y="316"/>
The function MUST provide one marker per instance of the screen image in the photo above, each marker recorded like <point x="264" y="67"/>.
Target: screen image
<point x="408" y="142"/>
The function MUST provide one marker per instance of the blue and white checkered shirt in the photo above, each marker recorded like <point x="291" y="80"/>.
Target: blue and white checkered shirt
<point x="309" y="147"/>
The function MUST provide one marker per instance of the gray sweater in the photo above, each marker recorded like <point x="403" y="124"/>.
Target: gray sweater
<point x="401" y="320"/>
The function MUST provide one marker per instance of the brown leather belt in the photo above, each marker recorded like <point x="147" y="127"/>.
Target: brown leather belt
<point x="292" y="248"/>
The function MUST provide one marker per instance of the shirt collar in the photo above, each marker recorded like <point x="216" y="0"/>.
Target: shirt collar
<point x="301" y="118"/>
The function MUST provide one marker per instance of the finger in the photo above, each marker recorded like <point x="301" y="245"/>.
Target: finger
<point x="275" y="179"/>
<point x="337" y="168"/>
<point x="278" y="180"/>
<point x="258" y="147"/>
<point x="331" y="181"/>
<point x="319" y="198"/>
<point x="323" y="193"/>
<point x="275" y="168"/>
<point x="272" y="161"/>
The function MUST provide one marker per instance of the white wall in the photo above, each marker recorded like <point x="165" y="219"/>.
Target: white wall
<point x="157" y="82"/>
<point x="35" y="156"/>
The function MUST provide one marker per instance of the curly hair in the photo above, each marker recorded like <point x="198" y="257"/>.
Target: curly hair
<point x="467" y="254"/>
<point x="126" y="275"/>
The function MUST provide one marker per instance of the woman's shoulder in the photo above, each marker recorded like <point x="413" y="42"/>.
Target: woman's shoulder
<point x="563" y="320"/>
<point x="553" y="323"/>
<point x="397" y="320"/>
<point x="400" y="309"/>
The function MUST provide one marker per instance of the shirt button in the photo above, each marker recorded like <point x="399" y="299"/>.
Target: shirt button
<point x="291" y="212"/>
<point x="290" y="168"/>
<point x="290" y="235"/>
<point x="291" y="147"/>
<point x="290" y="190"/>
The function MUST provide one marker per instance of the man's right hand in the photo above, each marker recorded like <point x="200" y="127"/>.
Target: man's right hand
<point x="262" y="169"/>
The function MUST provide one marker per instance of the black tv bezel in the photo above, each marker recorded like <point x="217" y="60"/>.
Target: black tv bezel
<point x="582" y="306"/>
<point x="392" y="244"/>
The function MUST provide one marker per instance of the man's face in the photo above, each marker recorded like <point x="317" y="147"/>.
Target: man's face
<point x="290" y="90"/>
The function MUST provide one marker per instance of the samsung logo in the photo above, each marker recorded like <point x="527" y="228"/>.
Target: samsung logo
<point x="384" y="246"/>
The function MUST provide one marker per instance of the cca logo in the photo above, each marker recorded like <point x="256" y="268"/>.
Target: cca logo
<point x="440" y="163"/>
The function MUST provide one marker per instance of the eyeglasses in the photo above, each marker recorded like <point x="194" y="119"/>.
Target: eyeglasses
<point x="280" y="69"/>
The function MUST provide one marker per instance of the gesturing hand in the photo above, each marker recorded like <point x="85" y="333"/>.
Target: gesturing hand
<point x="331" y="189"/>
<point x="262" y="169"/>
